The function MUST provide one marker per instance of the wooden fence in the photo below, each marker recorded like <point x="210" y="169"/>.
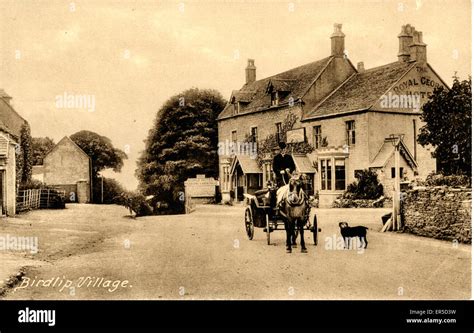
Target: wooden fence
<point x="37" y="198"/>
<point x="28" y="199"/>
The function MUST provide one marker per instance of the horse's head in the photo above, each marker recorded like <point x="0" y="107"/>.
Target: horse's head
<point x="296" y="203"/>
<point x="295" y="191"/>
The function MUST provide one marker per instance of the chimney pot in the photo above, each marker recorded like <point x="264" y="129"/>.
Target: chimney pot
<point x="360" y="66"/>
<point x="250" y="71"/>
<point x="405" y="39"/>
<point x="337" y="41"/>
<point x="418" y="48"/>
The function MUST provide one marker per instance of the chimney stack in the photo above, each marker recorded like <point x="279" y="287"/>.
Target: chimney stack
<point x="360" y="67"/>
<point x="411" y="46"/>
<point x="337" y="41"/>
<point x="250" y="71"/>
<point x="418" y="48"/>
<point x="405" y="39"/>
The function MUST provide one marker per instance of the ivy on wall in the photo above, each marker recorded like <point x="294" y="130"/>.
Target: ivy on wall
<point x="24" y="155"/>
<point x="266" y="145"/>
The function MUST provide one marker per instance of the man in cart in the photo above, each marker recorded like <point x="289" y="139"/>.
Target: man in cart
<point x="283" y="164"/>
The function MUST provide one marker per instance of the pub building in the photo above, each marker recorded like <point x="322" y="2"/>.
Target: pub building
<point x="350" y="115"/>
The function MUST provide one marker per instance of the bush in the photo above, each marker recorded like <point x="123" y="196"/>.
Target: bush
<point x="452" y="180"/>
<point x="33" y="184"/>
<point x="358" y="203"/>
<point x="366" y="186"/>
<point x="135" y="202"/>
<point x="112" y="189"/>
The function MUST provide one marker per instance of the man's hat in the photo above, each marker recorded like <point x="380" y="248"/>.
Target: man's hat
<point x="282" y="145"/>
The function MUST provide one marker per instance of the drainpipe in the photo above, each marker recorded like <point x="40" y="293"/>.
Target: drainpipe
<point x="414" y="139"/>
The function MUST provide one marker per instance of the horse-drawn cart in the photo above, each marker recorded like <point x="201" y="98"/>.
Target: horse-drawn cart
<point x="259" y="214"/>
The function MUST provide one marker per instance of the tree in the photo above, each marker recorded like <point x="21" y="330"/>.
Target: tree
<point x="448" y="127"/>
<point x="41" y="146"/>
<point x="101" y="151"/>
<point x="367" y="186"/>
<point x="103" y="156"/>
<point x="24" y="155"/>
<point x="181" y="144"/>
<point x="112" y="190"/>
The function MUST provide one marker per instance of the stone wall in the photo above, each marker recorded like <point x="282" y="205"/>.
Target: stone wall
<point x="439" y="212"/>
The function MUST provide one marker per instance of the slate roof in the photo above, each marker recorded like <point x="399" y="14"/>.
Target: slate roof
<point x="248" y="164"/>
<point x="3" y="94"/>
<point x="4" y="128"/>
<point x="361" y="91"/>
<point x="6" y="110"/>
<point x="387" y="150"/>
<point x="295" y="82"/>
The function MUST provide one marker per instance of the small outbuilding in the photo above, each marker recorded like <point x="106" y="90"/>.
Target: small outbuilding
<point x="67" y="167"/>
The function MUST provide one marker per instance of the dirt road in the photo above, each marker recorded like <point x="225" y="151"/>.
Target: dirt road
<point x="96" y="252"/>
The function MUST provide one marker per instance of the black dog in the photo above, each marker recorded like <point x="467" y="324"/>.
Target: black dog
<point x="348" y="232"/>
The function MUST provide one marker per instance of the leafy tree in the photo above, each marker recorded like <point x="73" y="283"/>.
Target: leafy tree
<point x="366" y="186"/>
<point x="24" y="155"/>
<point x="181" y="144"/>
<point x="112" y="189"/>
<point x="101" y="151"/>
<point x="41" y="146"/>
<point x="448" y="127"/>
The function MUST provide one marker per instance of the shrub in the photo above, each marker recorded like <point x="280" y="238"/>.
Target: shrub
<point x="33" y="184"/>
<point x="135" y="202"/>
<point x="112" y="189"/>
<point x="452" y="180"/>
<point x="358" y="203"/>
<point x="367" y="186"/>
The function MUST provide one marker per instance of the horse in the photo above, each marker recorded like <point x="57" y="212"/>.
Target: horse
<point x="295" y="208"/>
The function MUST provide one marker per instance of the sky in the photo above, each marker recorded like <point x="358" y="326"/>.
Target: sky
<point x="129" y="57"/>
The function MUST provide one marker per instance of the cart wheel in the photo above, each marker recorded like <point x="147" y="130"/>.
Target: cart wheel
<point x="315" y="230"/>
<point x="249" y="227"/>
<point x="268" y="229"/>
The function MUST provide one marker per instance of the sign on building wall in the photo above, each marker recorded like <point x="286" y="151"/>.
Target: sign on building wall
<point x="412" y="91"/>
<point x="296" y="135"/>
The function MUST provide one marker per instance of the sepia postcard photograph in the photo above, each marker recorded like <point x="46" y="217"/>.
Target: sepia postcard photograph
<point x="235" y="150"/>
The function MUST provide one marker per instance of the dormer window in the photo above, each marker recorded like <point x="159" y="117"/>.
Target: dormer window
<point x="240" y="100"/>
<point x="274" y="98"/>
<point x="236" y="108"/>
<point x="235" y="104"/>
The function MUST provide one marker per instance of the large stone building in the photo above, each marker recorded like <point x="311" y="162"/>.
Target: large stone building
<point x="350" y="115"/>
<point x="67" y="167"/>
<point x="10" y="128"/>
